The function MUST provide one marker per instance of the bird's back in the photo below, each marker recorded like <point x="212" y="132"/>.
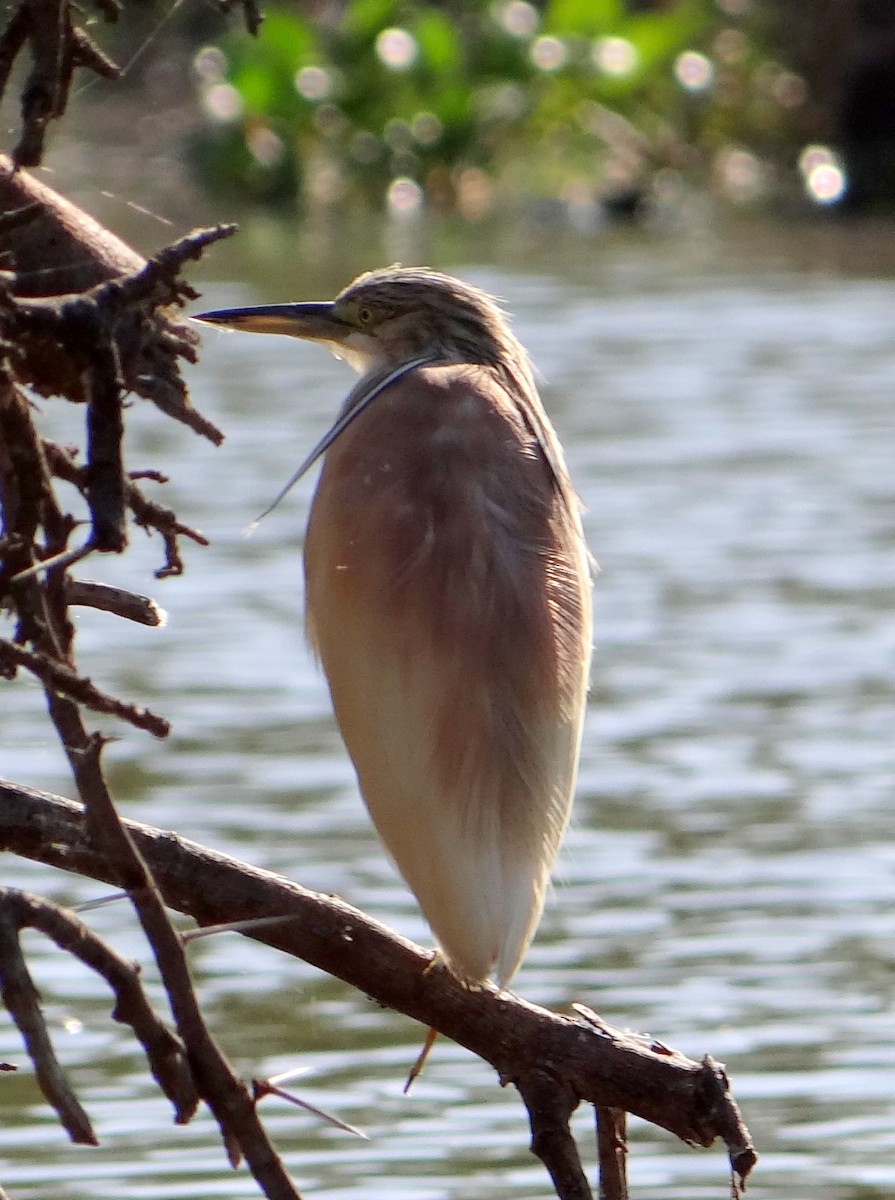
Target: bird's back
<point x="448" y="599"/>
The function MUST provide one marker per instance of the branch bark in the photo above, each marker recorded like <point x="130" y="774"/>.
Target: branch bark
<point x="584" y="1059"/>
<point x="58" y="251"/>
<point x="164" y="1052"/>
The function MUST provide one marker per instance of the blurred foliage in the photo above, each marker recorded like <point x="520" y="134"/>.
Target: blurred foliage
<point x="461" y="105"/>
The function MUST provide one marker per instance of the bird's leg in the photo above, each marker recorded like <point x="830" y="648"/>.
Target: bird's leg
<point x="417" y="1069"/>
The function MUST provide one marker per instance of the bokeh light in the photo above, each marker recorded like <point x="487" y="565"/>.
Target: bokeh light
<point x="822" y="174"/>
<point x="789" y="90"/>
<point x="314" y="83"/>
<point x="210" y="64"/>
<point x="615" y="56"/>
<point x="397" y="134"/>
<point x="519" y="18"/>
<point x="501" y="101"/>
<point x="826" y="184"/>
<point x="404" y="197"/>
<point x="475" y="194"/>
<point x="693" y="71"/>
<point x="740" y="175"/>
<point x="222" y="103"/>
<point x="731" y="46"/>
<point x="549" y="54"/>
<point x="426" y="129"/>
<point x="266" y="147"/>
<point x="815" y="155"/>
<point x="365" y="147"/>
<point x="397" y="49"/>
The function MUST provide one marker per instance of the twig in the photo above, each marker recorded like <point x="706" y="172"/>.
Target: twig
<point x="143" y="610"/>
<point x="147" y="513"/>
<point x="22" y="1001"/>
<point x="65" y="558"/>
<point x="105" y="436"/>
<point x="62" y="679"/>
<point x="612" y="1152"/>
<point x="269" y="1087"/>
<point x="57" y="48"/>
<point x="164" y="1052"/>
<point x="550" y="1103"/>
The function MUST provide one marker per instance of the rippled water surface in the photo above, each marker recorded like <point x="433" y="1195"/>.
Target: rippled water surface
<point x="729" y="881"/>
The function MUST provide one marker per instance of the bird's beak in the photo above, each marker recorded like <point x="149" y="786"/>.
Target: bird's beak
<point x="316" y="322"/>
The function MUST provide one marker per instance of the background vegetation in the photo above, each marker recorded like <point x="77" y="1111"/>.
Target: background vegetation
<point x="595" y="105"/>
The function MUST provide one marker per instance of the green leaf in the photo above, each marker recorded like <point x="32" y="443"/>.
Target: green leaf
<point x="659" y="36"/>
<point x="438" y="41"/>
<point x="592" y="18"/>
<point x="256" y="85"/>
<point x="363" y="19"/>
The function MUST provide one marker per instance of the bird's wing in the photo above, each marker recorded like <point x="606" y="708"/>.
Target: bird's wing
<point x="448" y="599"/>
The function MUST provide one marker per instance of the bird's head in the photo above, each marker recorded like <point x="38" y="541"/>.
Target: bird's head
<point x="391" y="316"/>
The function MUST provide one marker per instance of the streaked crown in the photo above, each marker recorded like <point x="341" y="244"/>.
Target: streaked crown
<point x="414" y="310"/>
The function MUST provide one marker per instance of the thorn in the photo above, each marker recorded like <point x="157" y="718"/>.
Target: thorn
<point x="417" y="1069"/>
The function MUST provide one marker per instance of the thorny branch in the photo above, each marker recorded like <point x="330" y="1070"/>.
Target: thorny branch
<point x="228" y="1098"/>
<point x="555" y="1061"/>
<point x="167" y="1060"/>
<point x="59" y="678"/>
<point x="87" y="345"/>
<point x="57" y="48"/>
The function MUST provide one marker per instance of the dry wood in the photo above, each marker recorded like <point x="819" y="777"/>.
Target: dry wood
<point x="580" y="1059"/>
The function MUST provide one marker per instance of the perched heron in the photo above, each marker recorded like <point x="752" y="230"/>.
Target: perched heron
<point x="448" y="599"/>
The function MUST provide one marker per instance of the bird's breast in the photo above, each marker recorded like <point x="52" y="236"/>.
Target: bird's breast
<point x="437" y="542"/>
<point x="448" y="600"/>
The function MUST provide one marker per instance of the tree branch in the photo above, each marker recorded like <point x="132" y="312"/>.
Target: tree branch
<point x="588" y="1059"/>
<point x="103" y="596"/>
<point x="57" y="250"/>
<point x="164" y="1052"/>
<point x="22" y="1001"/>
<point x="226" y="1095"/>
<point x="64" y="680"/>
<point x="612" y="1151"/>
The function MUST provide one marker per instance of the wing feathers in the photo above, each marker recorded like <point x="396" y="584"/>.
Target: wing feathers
<point x="449" y="601"/>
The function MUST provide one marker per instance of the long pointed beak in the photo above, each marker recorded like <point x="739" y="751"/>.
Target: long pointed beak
<point x="316" y="322"/>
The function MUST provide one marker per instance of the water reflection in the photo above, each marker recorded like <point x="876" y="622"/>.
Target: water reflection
<point x="728" y="883"/>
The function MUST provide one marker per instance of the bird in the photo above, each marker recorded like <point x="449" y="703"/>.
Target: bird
<point x="448" y="600"/>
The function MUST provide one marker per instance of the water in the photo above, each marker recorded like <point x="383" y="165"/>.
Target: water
<point x="728" y="883"/>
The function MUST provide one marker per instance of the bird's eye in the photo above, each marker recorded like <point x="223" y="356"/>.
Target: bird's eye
<point x="364" y="315"/>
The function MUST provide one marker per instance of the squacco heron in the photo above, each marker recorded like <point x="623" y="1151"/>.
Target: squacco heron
<point x="448" y="599"/>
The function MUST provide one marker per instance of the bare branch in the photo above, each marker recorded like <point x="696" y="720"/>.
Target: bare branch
<point x="23" y="1003"/>
<point x="61" y="251"/>
<point x="57" y="48"/>
<point x="62" y="679"/>
<point x="163" y="1050"/>
<point x="612" y="1152"/>
<point x="590" y="1060"/>
<point x="550" y="1103"/>
<point x="141" y="609"/>
<point x="225" y="1094"/>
